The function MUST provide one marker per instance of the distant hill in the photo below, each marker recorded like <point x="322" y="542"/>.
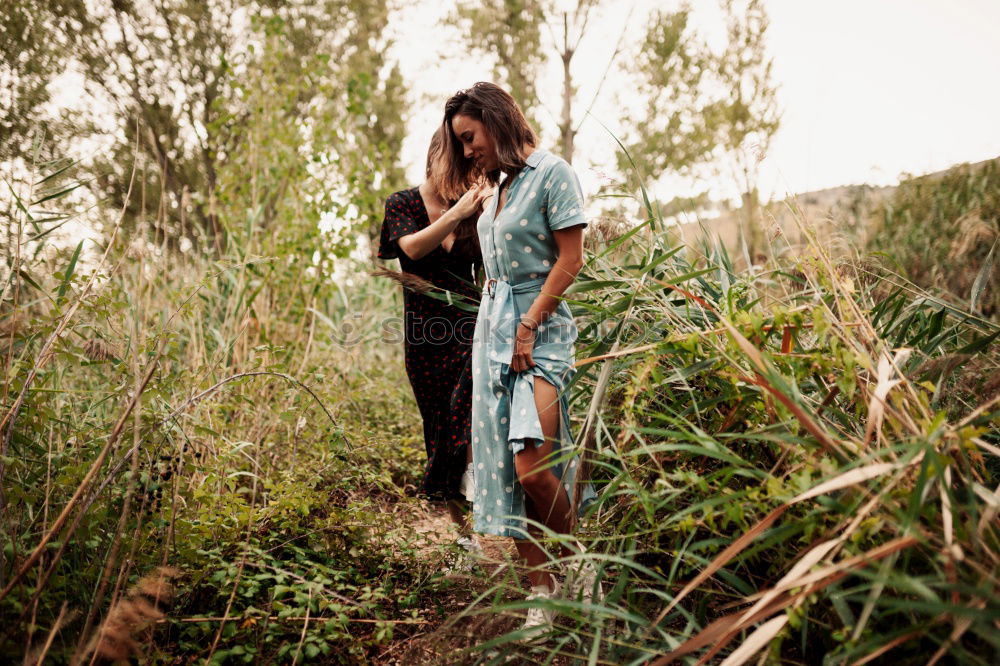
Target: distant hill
<point x="837" y="215"/>
<point x="840" y="213"/>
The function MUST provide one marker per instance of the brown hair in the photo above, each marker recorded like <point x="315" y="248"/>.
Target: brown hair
<point x="440" y="169"/>
<point x="503" y="120"/>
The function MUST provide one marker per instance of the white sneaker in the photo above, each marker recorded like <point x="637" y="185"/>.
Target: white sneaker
<point x="469" y="544"/>
<point x="467" y="486"/>
<point x="465" y="560"/>
<point x="582" y="583"/>
<point x="538" y="623"/>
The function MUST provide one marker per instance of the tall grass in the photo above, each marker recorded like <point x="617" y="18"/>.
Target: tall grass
<point x="943" y="233"/>
<point x="211" y="415"/>
<point x="795" y="465"/>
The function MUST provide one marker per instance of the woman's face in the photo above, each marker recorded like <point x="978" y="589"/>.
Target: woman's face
<point x="477" y="144"/>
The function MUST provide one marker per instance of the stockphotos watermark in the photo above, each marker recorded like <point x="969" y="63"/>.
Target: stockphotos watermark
<point x="355" y="329"/>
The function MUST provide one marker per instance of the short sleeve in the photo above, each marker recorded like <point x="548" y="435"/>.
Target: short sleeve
<point x="563" y="197"/>
<point x="398" y="222"/>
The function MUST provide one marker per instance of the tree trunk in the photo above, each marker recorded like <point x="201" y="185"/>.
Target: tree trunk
<point x="566" y="126"/>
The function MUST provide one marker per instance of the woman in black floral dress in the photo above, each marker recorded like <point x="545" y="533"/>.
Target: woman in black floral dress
<point x="437" y="241"/>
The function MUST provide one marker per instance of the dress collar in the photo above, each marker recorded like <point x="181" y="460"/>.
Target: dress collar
<point x="532" y="161"/>
<point x="534" y="158"/>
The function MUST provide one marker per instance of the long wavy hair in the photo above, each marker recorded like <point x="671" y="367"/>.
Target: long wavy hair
<point x="503" y="120"/>
<point x="440" y="174"/>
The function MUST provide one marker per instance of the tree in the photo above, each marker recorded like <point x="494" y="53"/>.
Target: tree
<point x="677" y="126"/>
<point x="172" y="75"/>
<point x="511" y="32"/>
<point x="574" y="27"/>
<point x="29" y="60"/>
<point x="705" y="109"/>
<point x="749" y="111"/>
<point x="312" y="135"/>
<point x="697" y="108"/>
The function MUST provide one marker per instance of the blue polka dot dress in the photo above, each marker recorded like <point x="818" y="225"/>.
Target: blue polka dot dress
<point x="519" y="250"/>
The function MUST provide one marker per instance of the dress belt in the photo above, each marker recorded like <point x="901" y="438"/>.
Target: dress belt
<point x="520" y="288"/>
<point x="501" y="315"/>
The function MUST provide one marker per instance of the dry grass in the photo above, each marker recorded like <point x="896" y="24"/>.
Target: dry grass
<point x="409" y="281"/>
<point x="142" y="605"/>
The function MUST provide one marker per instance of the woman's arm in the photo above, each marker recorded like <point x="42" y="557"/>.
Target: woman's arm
<point x="421" y="243"/>
<point x="569" y="242"/>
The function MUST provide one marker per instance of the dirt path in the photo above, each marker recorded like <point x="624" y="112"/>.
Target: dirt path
<point x="458" y="622"/>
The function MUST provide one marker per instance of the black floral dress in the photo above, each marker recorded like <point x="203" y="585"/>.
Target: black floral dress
<point x="437" y="343"/>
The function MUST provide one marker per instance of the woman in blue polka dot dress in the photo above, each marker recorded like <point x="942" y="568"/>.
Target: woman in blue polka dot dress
<point x="531" y="236"/>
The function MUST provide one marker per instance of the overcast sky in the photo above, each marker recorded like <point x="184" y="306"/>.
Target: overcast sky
<point x="869" y="89"/>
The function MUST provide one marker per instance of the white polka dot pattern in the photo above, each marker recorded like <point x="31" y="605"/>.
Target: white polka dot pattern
<point x="519" y="247"/>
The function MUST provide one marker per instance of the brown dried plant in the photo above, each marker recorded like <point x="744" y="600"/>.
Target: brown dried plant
<point x="137" y="610"/>
<point x="98" y="350"/>
<point x="408" y="280"/>
<point x="975" y="232"/>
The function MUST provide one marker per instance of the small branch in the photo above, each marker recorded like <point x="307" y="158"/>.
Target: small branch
<point x="56" y="627"/>
<point x="256" y="373"/>
<point x="607" y="70"/>
<point x="305" y="627"/>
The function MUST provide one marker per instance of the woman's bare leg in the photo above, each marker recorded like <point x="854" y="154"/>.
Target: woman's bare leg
<point x="534" y="556"/>
<point x="544" y="490"/>
<point x="546" y="497"/>
<point x="458" y="516"/>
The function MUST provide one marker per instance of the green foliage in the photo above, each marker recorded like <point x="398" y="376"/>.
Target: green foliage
<point x="676" y="130"/>
<point x="27" y="62"/>
<point x="732" y="398"/>
<point x="223" y="462"/>
<point x="182" y="88"/>
<point x="509" y="32"/>
<point x="270" y="455"/>
<point x="763" y="436"/>
<point x="941" y="230"/>
<point x="316" y="548"/>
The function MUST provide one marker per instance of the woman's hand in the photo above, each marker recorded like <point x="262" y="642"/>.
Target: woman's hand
<point x="471" y="200"/>
<point x="421" y="243"/>
<point x="524" y="343"/>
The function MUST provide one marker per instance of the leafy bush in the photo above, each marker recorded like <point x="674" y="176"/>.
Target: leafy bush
<point x="943" y="232"/>
<point x="164" y="408"/>
<point x="801" y="459"/>
<point x="784" y="463"/>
